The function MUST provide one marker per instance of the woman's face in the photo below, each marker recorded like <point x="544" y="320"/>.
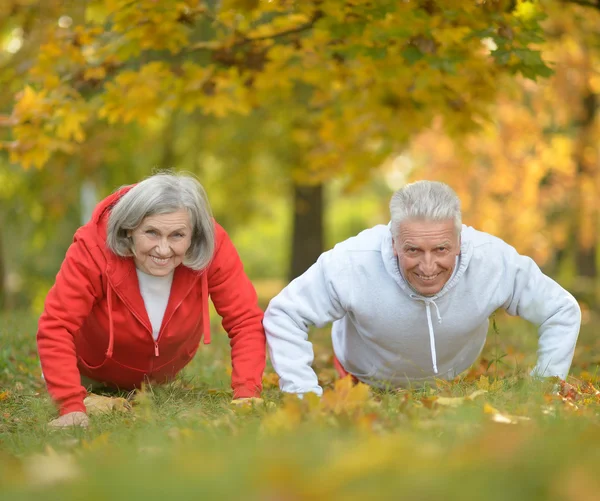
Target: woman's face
<point x="161" y="241"/>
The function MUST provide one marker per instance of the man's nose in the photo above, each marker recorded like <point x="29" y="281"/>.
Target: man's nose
<point x="428" y="264"/>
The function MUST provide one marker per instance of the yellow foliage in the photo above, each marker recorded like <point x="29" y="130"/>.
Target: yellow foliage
<point x="360" y="79"/>
<point x="346" y="397"/>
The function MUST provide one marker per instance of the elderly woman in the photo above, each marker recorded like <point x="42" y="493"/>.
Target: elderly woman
<point x="130" y="302"/>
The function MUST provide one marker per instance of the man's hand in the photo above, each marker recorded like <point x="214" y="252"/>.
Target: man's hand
<point x="70" y="419"/>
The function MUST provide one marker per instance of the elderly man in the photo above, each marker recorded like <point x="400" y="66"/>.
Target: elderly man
<point x="411" y="301"/>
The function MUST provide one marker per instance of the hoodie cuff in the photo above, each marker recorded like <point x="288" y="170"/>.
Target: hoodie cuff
<point x="72" y="405"/>
<point x="245" y="392"/>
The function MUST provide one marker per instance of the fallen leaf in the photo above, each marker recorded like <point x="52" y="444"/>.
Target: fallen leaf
<point x="50" y="468"/>
<point x="498" y="417"/>
<point x="346" y="396"/>
<point x="456" y="401"/>
<point x="270" y="380"/>
<point x="98" y="404"/>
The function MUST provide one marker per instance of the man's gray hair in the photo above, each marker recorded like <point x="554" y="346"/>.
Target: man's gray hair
<point x="425" y="200"/>
<point x="164" y="193"/>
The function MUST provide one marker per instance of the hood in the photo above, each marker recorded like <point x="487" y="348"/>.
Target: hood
<point x="390" y="262"/>
<point x="122" y="277"/>
<point x="97" y="224"/>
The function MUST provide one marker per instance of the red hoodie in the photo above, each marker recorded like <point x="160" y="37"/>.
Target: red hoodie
<point x="95" y="323"/>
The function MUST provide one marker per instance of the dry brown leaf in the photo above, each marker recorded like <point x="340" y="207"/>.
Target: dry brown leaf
<point x="98" y="404"/>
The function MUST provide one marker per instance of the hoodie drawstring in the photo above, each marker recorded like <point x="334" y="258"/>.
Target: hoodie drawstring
<point x="111" y="333"/>
<point x="428" y="302"/>
<point x="205" y="310"/>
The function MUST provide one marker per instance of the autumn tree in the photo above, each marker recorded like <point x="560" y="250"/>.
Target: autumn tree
<point x="532" y="174"/>
<point x="347" y="82"/>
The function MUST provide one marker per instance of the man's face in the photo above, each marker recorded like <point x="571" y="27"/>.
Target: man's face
<point x="426" y="252"/>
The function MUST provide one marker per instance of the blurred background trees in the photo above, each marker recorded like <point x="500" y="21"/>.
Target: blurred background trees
<point x="300" y="118"/>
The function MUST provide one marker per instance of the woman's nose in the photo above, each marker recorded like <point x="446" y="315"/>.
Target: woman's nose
<point x="163" y="248"/>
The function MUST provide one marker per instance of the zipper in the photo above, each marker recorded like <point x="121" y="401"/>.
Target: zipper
<point x="141" y="321"/>
<point x="165" y="323"/>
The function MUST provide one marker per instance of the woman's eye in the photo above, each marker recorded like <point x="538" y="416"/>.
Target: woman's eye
<point x="150" y="232"/>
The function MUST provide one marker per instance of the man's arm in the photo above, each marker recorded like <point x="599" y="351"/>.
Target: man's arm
<point x="311" y="299"/>
<point x="540" y="300"/>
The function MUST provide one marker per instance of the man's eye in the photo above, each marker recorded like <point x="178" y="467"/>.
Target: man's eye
<point x="441" y="249"/>
<point x="150" y="232"/>
<point x="178" y="235"/>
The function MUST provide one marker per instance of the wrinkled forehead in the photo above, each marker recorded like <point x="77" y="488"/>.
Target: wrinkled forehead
<point x="426" y="230"/>
<point x="176" y="219"/>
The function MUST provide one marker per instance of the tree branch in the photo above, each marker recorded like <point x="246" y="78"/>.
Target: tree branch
<point x="298" y="29"/>
<point x="214" y="45"/>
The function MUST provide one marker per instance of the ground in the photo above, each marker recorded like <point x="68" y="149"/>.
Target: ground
<point x="494" y="433"/>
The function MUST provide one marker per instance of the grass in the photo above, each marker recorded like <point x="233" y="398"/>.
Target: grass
<point x="185" y="441"/>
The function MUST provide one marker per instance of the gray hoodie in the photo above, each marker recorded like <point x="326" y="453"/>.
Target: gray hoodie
<point x="386" y="334"/>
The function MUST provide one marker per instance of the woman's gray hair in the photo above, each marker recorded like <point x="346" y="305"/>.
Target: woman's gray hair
<point x="164" y="193"/>
<point x="425" y="200"/>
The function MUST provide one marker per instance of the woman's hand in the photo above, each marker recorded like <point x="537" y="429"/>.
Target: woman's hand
<point x="70" y="419"/>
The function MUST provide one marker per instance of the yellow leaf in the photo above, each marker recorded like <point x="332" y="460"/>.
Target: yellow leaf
<point x="346" y="396"/>
<point x="287" y="417"/>
<point x="456" y="401"/>
<point x="498" y="417"/>
<point x="488" y="409"/>
<point x="95" y="73"/>
<point x="270" y="380"/>
<point x="51" y="468"/>
<point x="98" y="404"/>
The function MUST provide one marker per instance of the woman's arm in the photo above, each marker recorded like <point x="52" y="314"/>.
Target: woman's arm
<point x="70" y="300"/>
<point x="236" y="302"/>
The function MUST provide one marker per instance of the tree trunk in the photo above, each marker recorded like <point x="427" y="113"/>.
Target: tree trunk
<point x="2" y="276"/>
<point x="307" y="242"/>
